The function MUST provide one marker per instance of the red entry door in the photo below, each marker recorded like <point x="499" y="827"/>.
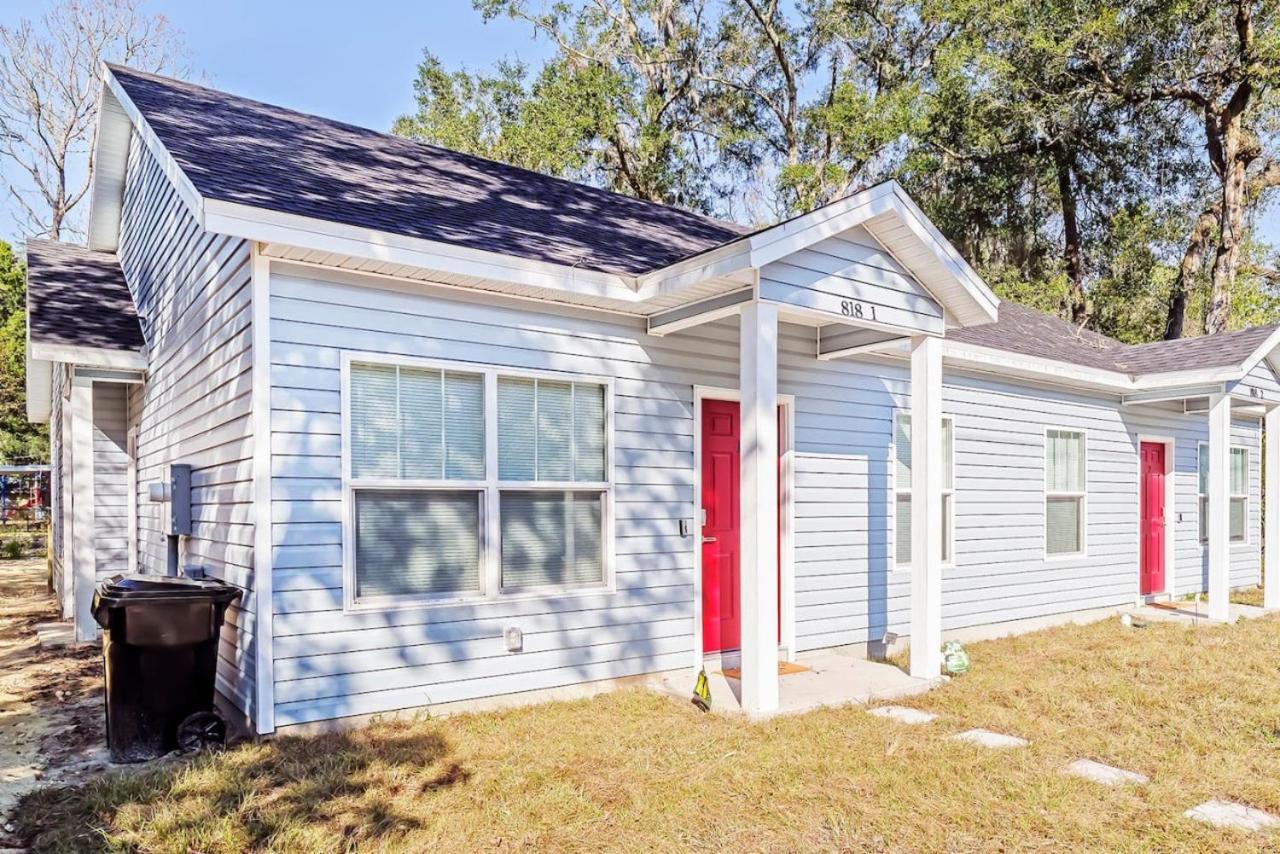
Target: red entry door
<point x="1152" y="526"/>
<point x="721" y="540"/>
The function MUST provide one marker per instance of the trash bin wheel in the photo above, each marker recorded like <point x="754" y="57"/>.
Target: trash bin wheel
<point x="202" y="731"/>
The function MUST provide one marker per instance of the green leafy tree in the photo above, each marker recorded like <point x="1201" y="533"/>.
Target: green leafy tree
<point x="20" y="441"/>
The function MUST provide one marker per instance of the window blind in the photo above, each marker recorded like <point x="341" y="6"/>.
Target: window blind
<point x="417" y="424"/>
<point x="1064" y="488"/>
<point x="417" y="543"/>
<point x="550" y="430"/>
<point x="551" y="538"/>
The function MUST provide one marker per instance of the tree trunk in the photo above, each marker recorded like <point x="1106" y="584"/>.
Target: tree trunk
<point x="1230" y="228"/>
<point x="1074" y="306"/>
<point x="1192" y="261"/>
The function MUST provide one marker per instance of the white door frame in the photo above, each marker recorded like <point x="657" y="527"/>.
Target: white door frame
<point x="786" y="518"/>
<point x="1170" y="517"/>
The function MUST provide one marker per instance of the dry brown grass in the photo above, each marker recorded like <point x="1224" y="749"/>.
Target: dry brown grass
<point x="1197" y="710"/>
<point x="1247" y="596"/>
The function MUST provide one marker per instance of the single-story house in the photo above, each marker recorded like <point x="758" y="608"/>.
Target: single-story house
<point x="460" y="430"/>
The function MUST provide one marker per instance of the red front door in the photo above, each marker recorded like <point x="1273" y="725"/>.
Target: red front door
<point x="1151" y="578"/>
<point x="721" y="543"/>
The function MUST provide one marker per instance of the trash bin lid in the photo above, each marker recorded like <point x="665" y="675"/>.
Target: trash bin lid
<point x="137" y="587"/>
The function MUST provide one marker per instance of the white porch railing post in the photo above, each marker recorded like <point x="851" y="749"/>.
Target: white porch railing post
<point x="1219" y="528"/>
<point x="926" y="506"/>
<point x="1271" y="501"/>
<point x="759" y="507"/>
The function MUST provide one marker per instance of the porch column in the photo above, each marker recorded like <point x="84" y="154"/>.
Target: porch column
<point x="758" y="382"/>
<point x="926" y="506"/>
<point x="1219" y="527"/>
<point x="1271" y="501"/>
<point x="80" y="491"/>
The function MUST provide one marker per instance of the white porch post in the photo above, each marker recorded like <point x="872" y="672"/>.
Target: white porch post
<point x="84" y="570"/>
<point x="926" y="506"/>
<point x="758" y="366"/>
<point x="1271" y="500"/>
<point x="1219" y="527"/>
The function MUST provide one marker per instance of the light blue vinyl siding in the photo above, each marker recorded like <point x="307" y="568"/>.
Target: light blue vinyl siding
<point x="110" y="480"/>
<point x="330" y="663"/>
<point x="1260" y="383"/>
<point x="192" y="292"/>
<point x="851" y="266"/>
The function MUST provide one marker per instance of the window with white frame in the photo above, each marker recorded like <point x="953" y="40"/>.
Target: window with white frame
<point x="1239" y="493"/>
<point x="453" y="497"/>
<point x="1064" y="492"/>
<point x="902" y="488"/>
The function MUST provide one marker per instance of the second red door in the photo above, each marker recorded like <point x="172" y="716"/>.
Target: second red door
<point x="1152" y="526"/>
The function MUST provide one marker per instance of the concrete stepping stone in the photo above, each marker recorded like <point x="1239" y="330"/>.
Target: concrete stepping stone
<point x="1107" y="775"/>
<point x="987" y="738"/>
<point x="1230" y="814"/>
<point x="903" y="714"/>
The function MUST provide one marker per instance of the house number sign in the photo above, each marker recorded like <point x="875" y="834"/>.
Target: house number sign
<point x="853" y="308"/>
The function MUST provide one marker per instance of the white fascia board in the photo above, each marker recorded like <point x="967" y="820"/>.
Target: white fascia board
<point x="883" y="199"/>
<point x="39" y="389"/>
<point x="1264" y="351"/>
<point x="266" y="226"/>
<point x="110" y="157"/>
<point x="1170" y="379"/>
<point x="726" y="260"/>
<point x="1017" y="364"/>
<point x="915" y="219"/>
<point x="94" y="357"/>
<point x="182" y="184"/>
<point x="793" y="235"/>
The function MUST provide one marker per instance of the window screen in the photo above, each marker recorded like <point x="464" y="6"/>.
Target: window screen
<point x="415" y="424"/>
<point x="1239" y="494"/>
<point x="551" y="538"/>
<point x="902" y="487"/>
<point x="550" y="430"/>
<point x="412" y="543"/>
<point x="1065" y="467"/>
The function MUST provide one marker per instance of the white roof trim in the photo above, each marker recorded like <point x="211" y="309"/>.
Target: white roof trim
<point x="93" y="357"/>
<point x="250" y="223"/>
<point x="39" y="389"/>
<point x="962" y="294"/>
<point x="104" y="208"/>
<point x="1264" y="351"/>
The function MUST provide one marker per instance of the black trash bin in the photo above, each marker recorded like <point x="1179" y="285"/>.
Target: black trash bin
<point x="160" y="646"/>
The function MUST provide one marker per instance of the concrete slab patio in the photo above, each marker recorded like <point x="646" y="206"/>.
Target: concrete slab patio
<point x="1190" y="613"/>
<point x="834" y="678"/>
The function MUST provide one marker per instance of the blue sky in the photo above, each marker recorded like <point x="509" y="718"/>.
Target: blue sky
<point x="346" y="59"/>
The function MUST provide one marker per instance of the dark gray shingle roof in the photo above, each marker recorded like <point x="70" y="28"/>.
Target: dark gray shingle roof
<point x="78" y="297"/>
<point x="1024" y="330"/>
<point x="237" y="150"/>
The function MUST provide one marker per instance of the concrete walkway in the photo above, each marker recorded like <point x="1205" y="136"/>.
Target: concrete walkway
<point x="1189" y="613"/>
<point x="834" y="678"/>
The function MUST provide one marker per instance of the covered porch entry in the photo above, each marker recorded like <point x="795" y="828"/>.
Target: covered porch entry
<point x="862" y="274"/>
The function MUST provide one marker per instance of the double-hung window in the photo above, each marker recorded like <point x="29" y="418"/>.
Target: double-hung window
<point x="1239" y="493"/>
<point x="472" y="483"/>
<point x="1064" y="492"/>
<point x="902" y="488"/>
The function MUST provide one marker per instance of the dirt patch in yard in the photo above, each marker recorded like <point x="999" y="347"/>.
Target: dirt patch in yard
<point x="1196" y="710"/>
<point x="50" y="700"/>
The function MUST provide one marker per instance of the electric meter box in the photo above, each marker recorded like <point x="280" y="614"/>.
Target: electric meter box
<point x="179" y="509"/>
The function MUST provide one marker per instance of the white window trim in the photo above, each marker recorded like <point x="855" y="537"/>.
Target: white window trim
<point x="489" y="491"/>
<point x="905" y="568"/>
<point x="1248" y="476"/>
<point x="1083" y="495"/>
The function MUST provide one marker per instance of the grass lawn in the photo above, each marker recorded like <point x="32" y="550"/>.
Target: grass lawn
<point x="1247" y="596"/>
<point x="1196" y="710"/>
